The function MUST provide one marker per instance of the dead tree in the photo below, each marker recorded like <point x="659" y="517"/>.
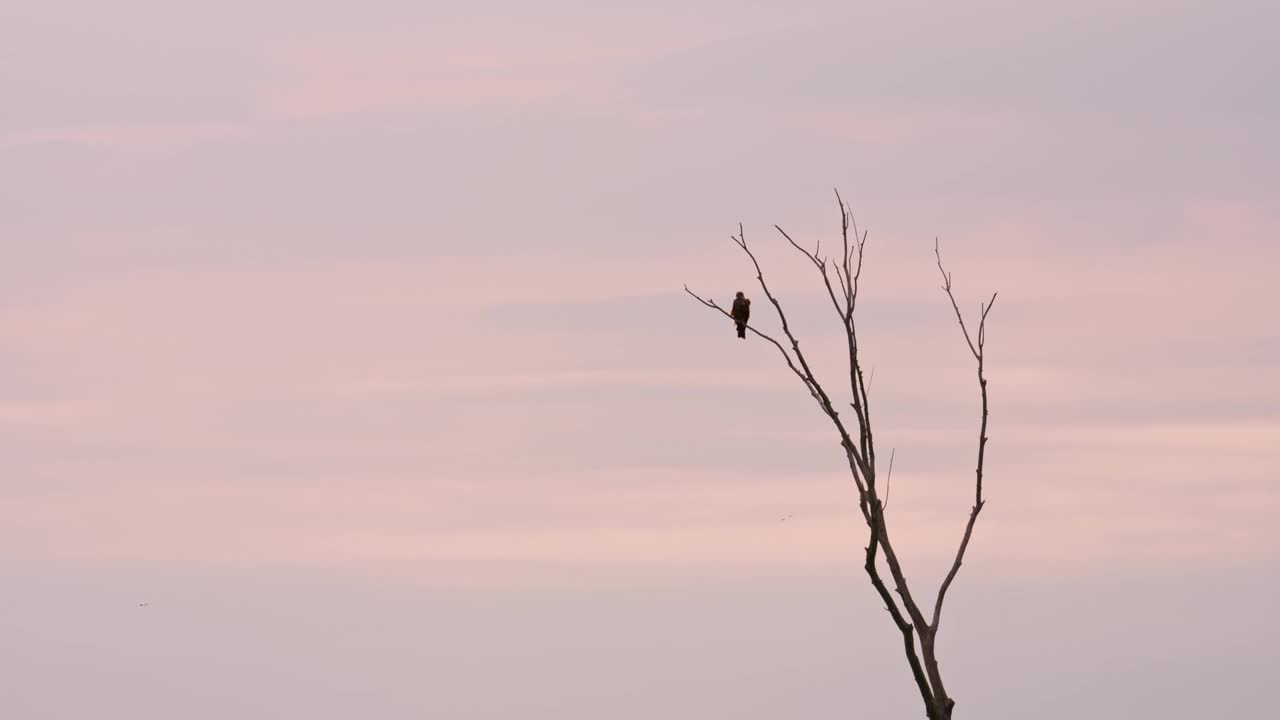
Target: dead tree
<point x="918" y="625"/>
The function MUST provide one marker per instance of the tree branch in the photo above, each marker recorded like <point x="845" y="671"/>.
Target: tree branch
<point x="889" y="476"/>
<point x="978" y="352"/>
<point x="800" y="366"/>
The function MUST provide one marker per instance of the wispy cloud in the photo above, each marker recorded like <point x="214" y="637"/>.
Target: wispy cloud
<point x="125" y="137"/>
<point x="505" y="383"/>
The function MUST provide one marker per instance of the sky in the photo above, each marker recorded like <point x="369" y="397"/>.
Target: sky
<point x="346" y="369"/>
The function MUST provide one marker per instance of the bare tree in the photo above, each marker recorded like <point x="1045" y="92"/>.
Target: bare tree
<point x="919" y="630"/>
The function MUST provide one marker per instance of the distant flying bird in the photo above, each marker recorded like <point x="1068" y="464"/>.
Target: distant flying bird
<point x="143" y="604"/>
<point x="787" y="518"/>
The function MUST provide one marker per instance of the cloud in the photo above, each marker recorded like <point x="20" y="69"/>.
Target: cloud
<point x="918" y="56"/>
<point x="505" y="384"/>
<point x="379" y="390"/>
<point x="125" y="137"/>
<point x="43" y="414"/>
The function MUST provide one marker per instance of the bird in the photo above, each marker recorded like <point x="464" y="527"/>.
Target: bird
<point x="144" y="604"/>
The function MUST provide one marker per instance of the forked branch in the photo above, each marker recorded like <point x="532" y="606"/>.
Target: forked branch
<point x="978" y="351"/>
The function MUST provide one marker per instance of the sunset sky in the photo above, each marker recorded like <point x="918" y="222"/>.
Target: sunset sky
<point x="350" y="338"/>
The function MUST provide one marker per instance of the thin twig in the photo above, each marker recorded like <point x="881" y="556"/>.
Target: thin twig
<point x="889" y="476"/>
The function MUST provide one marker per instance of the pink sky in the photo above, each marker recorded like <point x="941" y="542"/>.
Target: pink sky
<point x="353" y="339"/>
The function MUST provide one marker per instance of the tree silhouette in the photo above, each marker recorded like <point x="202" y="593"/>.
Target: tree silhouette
<point x="919" y="631"/>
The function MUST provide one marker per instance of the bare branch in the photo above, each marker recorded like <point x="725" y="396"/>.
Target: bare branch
<point x="946" y="285"/>
<point x="889" y="476"/>
<point x="859" y="459"/>
<point x="821" y="265"/>
<point x="978" y="502"/>
<point x="800" y="367"/>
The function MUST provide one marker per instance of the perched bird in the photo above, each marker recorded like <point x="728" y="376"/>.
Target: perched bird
<point x="741" y="313"/>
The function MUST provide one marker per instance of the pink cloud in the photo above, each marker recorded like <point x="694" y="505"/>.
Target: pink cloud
<point x="126" y="137"/>
<point x="893" y="126"/>
<point x="347" y="365"/>
<point x="339" y="76"/>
